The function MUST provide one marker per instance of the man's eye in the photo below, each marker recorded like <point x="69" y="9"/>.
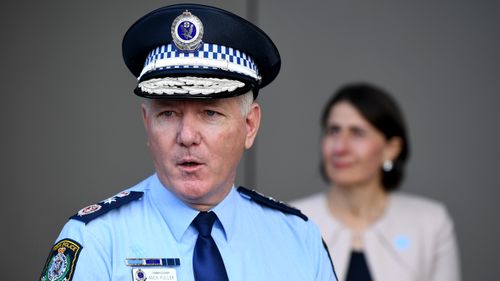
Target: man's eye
<point x="210" y="113"/>
<point x="167" y="113"/>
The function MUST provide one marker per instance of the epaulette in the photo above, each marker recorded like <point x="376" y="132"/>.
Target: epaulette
<point x="95" y="210"/>
<point x="270" y="202"/>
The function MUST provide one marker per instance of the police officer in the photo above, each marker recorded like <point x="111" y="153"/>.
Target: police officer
<point x="199" y="69"/>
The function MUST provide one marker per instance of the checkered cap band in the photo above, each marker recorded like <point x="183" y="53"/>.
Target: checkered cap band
<point x="210" y="56"/>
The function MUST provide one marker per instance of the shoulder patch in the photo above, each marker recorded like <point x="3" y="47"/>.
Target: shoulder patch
<point x="61" y="262"/>
<point x="271" y="202"/>
<point x="93" y="211"/>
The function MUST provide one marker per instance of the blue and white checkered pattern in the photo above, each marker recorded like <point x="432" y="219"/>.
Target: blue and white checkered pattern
<point x="208" y="56"/>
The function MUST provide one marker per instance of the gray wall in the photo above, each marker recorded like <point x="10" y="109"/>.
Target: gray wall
<point x="72" y="134"/>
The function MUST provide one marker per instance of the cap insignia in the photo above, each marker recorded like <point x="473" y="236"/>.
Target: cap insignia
<point x="187" y="32"/>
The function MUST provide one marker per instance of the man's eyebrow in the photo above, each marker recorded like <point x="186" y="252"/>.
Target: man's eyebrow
<point x="165" y="102"/>
<point x="214" y="103"/>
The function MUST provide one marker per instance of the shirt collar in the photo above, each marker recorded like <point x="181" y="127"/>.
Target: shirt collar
<point x="226" y="212"/>
<point x="179" y="216"/>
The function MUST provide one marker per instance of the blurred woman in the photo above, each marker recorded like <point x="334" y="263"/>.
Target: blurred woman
<point x="374" y="233"/>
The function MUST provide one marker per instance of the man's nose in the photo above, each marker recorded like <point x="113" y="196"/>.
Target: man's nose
<point x="188" y="133"/>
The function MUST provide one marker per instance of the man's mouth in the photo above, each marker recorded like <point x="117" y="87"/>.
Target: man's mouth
<point x="189" y="165"/>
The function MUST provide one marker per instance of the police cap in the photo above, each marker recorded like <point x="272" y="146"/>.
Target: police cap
<point x="188" y="51"/>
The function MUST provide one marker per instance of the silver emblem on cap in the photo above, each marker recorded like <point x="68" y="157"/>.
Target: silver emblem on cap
<point x="187" y="32"/>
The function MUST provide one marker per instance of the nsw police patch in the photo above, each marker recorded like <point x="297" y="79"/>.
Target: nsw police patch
<point x="61" y="262"/>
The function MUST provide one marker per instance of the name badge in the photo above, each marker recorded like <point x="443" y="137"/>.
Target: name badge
<point x="154" y="274"/>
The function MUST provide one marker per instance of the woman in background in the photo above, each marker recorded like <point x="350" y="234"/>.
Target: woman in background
<point x="374" y="233"/>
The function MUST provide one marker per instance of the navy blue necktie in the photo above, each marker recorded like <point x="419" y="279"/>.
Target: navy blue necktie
<point x="207" y="261"/>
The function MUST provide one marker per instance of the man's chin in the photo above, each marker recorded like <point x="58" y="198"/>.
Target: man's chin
<point x="193" y="190"/>
<point x="199" y="194"/>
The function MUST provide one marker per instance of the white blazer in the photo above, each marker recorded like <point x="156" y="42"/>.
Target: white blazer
<point x="414" y="240"/>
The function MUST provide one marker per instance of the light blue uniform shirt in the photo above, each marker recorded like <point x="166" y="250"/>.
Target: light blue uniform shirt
<point x="256" y="242"/>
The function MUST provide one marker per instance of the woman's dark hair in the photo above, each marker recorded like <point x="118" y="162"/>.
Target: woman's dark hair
<point x="381" y="111"/>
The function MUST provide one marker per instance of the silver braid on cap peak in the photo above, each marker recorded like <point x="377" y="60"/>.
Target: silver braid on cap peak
<point x="189" y="85"/>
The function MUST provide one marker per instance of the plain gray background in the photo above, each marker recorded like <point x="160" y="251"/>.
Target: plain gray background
<point x="72" y="133"/>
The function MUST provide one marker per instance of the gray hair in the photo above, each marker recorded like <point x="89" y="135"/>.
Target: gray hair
<point x="246" y="101"/>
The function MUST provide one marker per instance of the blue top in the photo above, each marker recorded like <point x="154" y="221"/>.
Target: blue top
<point x="256" y="242"/>
<point x="358" y="268"/>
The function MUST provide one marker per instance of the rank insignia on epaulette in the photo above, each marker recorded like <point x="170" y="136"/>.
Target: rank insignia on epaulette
<point x="95" y="210"/>
<point x="89" y="210"/>
<point x="61" y="262"/>
<point x="270" y="202"/>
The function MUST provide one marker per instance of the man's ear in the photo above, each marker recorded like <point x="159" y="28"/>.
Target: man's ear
<point x="144" y="110"/>
<point x="252" y="121"/>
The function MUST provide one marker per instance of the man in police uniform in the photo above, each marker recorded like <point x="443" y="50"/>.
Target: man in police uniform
<point x="199" y="69"/>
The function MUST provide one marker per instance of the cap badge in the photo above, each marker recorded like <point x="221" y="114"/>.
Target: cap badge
<point x="187" y="32"/>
